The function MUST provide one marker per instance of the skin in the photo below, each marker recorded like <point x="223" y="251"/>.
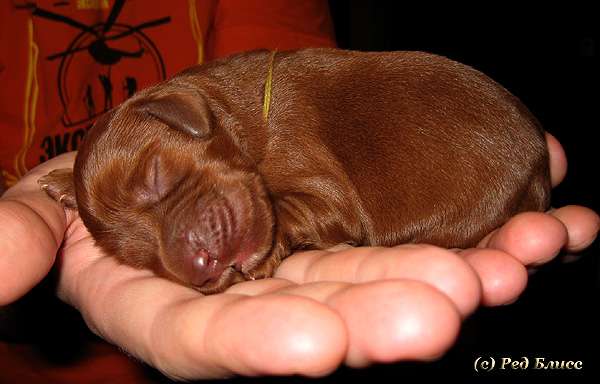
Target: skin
<point x="322" y="308"/>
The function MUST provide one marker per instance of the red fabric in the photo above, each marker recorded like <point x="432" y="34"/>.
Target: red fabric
<point x="274" y="24"/>
<point x="57" y="78"/>
<point x="47" y="104"/>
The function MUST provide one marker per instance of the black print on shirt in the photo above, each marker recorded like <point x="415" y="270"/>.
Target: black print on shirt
<point x="109" y="44"/>
<point x="66" y="142"/>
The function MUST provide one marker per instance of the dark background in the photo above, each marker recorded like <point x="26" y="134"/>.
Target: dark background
<point x="548" y="57"/>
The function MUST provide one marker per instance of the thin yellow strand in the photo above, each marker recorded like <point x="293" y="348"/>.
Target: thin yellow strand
<point x="196" y="30"/>
<point x="30" y="104"/>
<point x="268" y="86"/>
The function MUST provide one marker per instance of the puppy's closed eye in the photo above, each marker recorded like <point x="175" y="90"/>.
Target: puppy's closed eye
<point x="157" y="175"/>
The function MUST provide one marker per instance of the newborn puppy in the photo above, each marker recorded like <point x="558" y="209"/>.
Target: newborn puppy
<point x="219" y="173"/>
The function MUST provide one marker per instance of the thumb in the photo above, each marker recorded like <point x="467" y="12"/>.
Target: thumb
<point x="32" y="226"/>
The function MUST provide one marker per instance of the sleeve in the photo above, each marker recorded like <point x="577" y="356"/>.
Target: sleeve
<point x="242" y="25"/>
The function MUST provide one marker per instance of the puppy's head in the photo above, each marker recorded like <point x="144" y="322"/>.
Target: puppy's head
<point x="161" y="185"/>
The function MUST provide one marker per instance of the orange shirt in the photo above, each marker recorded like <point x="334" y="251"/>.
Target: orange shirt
<point x="62" y="63"/>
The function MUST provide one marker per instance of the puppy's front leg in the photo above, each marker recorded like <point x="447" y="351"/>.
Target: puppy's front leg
<point x="306" y="223"/>
<point x="281" y="249"/>
<point x="58" y="184"/>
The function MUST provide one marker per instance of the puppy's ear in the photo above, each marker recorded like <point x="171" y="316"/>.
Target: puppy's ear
<point x="183" y="110"/>
<point x="58" y="184"/>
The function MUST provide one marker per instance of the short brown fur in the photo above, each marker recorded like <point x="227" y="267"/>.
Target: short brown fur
<point x="363" y="148"/>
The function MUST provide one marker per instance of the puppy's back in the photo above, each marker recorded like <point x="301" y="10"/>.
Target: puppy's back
<point x="435" y="151"/>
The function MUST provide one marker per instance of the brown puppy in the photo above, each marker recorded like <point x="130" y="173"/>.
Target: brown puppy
<point x="218" y="174"/>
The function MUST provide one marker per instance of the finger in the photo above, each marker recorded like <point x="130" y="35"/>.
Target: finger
<point x="582" y="226"/>
<point x="388" y="320"/>
<point x="188" y="336"/>
<point x="531" y="237"/>
<point x="32" y="225"/>
<point x="558" y="160"/>
<point x="395" y="320"/>
<point x="28" y="248"/>
<point x="403" y="313"/>
<point x="438" y="267"/>
<point x="277" y="334"/>
<point x="503" y="278"/>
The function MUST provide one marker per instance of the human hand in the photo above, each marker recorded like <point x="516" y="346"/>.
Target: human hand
<point x="322" y="308"/>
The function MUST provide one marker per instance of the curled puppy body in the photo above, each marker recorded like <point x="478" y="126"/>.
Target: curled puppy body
<point x="219" y="173"/>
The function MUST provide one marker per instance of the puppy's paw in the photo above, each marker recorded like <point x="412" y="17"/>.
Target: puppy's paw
<point x="264" y="270"/>
<point x="58" y="184"/>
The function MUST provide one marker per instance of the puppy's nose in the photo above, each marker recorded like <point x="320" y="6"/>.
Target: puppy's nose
<point x="200" y="267"/>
